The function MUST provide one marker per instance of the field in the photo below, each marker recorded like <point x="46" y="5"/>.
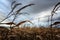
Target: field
<point x="28" y="33"/>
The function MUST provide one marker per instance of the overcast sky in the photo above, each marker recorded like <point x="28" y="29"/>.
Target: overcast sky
<point x="41" y="9"/>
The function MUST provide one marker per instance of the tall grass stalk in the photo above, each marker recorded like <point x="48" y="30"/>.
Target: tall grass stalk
<point x="52" y="14"/>
<point x="17" y="12"/>
<point x="22" y="23"/>
<point x="11" y="10"/>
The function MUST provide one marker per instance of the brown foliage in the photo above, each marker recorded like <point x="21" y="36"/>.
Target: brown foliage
<point x="32" y="34"/>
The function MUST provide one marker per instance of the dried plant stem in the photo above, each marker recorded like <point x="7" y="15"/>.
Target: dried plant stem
<point x="13" y="21"/>
<point x="13" y="3"/>
<point x="11" y="11"/>
<point x="22" y="23"/>
<point x="24" y="7"/>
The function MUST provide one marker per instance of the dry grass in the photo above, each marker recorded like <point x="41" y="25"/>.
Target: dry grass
<point x="30" y="34"/>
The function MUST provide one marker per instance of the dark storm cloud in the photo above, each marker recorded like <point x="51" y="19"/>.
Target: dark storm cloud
<point x="42" y="5"/>
<point x="56" y="19"/>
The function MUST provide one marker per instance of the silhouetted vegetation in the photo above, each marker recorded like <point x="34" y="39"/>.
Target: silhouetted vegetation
<point x="28" y="33"/>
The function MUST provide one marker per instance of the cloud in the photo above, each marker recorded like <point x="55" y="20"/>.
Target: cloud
<point x="2" y="16"/>
<point x="42" y="8"/>
<point x="42" y="5"/>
